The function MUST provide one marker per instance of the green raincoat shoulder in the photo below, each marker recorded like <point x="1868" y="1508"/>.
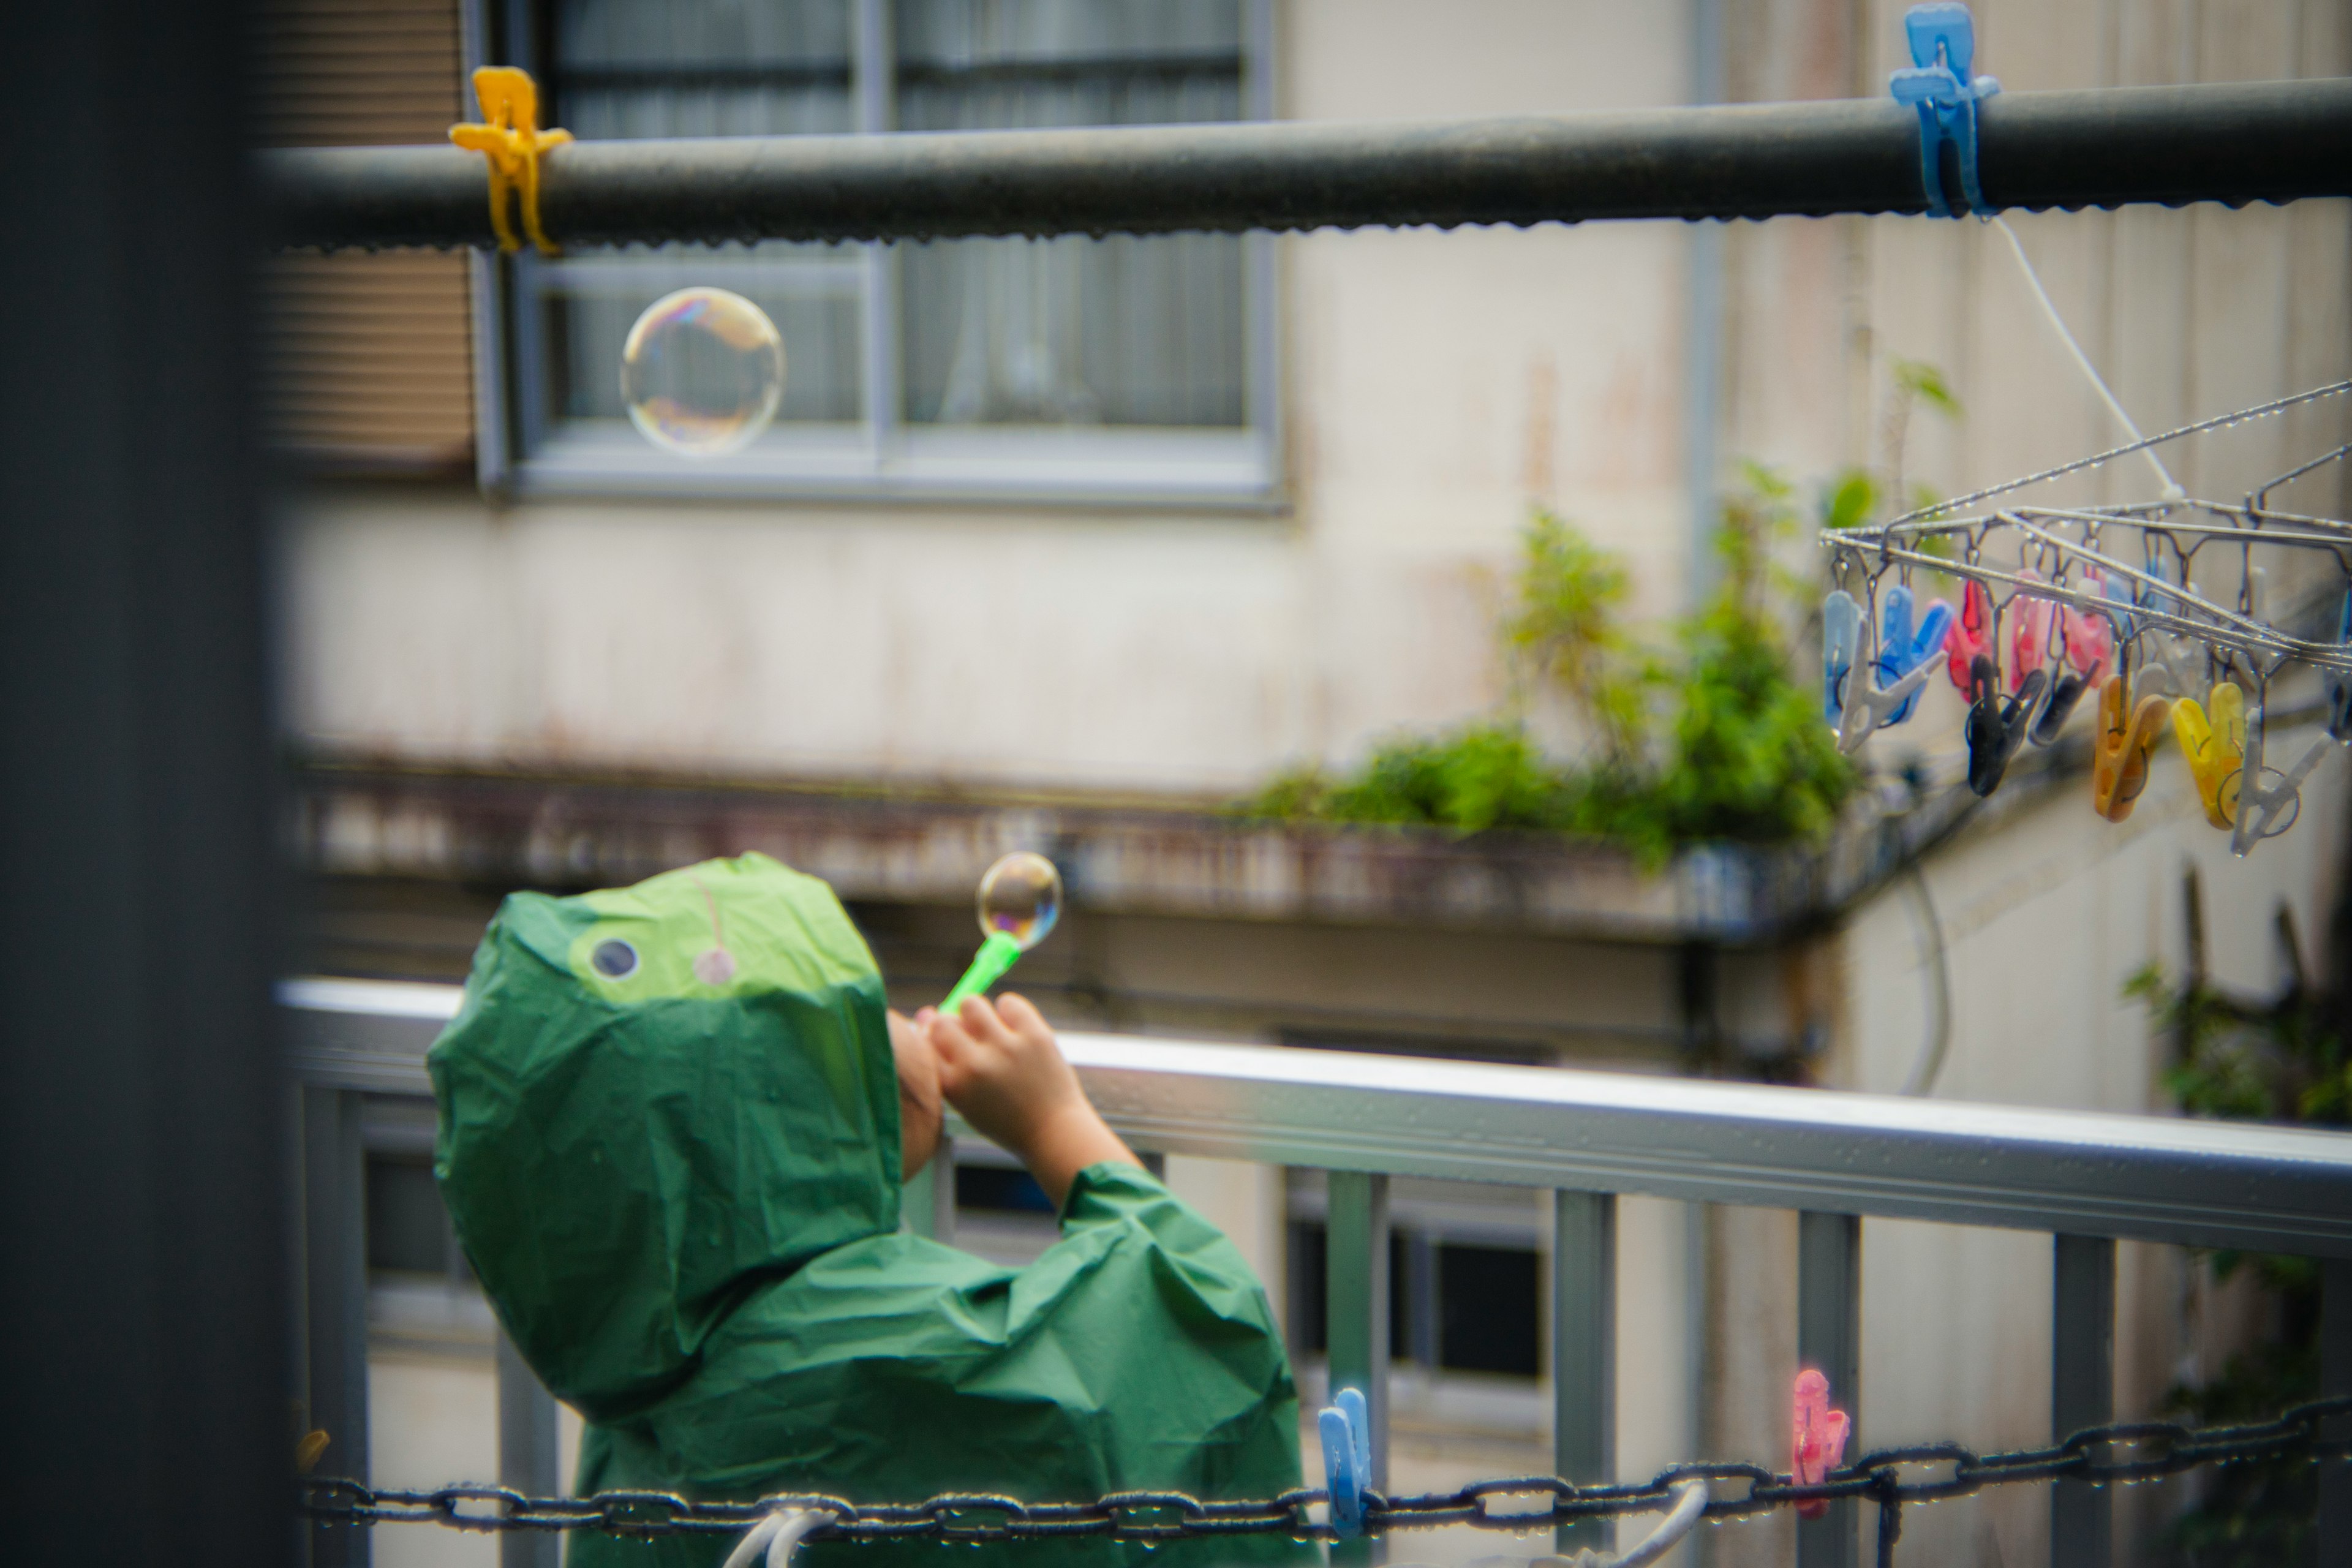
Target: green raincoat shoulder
<point x="669" y="1143"/>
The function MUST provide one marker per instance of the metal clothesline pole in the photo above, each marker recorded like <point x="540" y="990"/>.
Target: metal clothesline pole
<point x="2269" y="142"/>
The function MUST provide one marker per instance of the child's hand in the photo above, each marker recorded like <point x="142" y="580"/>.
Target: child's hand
<point x="919" y="1094"/>
<point x="999" y="1066"/>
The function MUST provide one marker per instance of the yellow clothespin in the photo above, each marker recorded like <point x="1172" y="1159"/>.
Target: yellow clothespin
<point x="2120" y="770"/>
<point x="514" y="143"/>
<point x="2215" y="744"/>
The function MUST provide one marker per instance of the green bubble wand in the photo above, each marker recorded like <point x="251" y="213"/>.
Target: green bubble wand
<point x="1020" y="900"/>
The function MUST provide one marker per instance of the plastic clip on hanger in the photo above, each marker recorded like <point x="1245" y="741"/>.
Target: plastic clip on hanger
<point x="1864" y="705"/>
<point x="2127" y="735"/>
<point x="1901" y="650"/>
<point x="2259" y="805"/>
<point x="1347" y="1430"/>
<point x="1938" y="86"/>
<point x="514" y="143"/>
<point x="2258" y="818"/>
<point x="2213" y="738"/>
<point x="2340" y="686"/>
<point x="2090" y="645"/>
<point x="1818" y="1440"/>
<point x="1996" y="727"/>
<point x="1969" y="636"/>
<point x="2029" y="644"/>
<point x="1841" y="634"/>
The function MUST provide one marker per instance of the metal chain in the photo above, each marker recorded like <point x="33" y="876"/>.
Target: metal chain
<point x="2098" y="1456"/>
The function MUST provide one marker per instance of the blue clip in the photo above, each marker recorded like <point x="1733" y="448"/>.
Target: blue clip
<point x="1346" y="1427"/>
<point x="1841" y="634"/>
<point x="1943" y="48"/>
<point x="2339" y="687"/>
<point x="1901" y="650"/>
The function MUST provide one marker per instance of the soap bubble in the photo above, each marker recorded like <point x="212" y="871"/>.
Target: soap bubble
<point x="702" y="371"/>
<point x="1021" y="897"/>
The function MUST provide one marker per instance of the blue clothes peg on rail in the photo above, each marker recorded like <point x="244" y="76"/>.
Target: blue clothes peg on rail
<point x="1943" y="50"/>
<point x="1902" y="649"/>
<point x="1347" y="1430"/>
<point x="1841" y="634"/>
<point x="2340" y="686"/>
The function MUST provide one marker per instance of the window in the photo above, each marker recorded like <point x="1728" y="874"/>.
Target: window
<point x="1123" y="368"/>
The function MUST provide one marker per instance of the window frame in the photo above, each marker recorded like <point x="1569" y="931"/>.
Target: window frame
<point x="885" y="458"/>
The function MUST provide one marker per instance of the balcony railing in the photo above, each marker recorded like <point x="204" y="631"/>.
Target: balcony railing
<point x="2087" y="1179"/>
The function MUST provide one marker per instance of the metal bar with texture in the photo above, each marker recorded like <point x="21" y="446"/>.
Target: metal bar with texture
<point x="2230" y="143"/>
<point x="2193" y="1184"/>
<point x="1584" y="1349"/>
<point x="1829" y="1339"/>
<point x="2082" y="1388"/>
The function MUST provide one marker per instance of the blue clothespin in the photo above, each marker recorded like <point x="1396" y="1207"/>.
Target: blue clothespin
<point x="1840" y="632"/>
<point x="2340" y="688"/>
<point x="1943" y="48"/>
<point x="1347" y="1428"/>
<point x="1901" y="650"/>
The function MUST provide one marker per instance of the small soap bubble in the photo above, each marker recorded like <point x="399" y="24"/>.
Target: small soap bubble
<point x="1021" y="897"/>
<point x="702" y="371"/>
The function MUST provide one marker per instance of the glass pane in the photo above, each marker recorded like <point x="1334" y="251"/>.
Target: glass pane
<point x="701" y="68"/>
<point x="1122" y="331"/>
<point x="627" y="68"/>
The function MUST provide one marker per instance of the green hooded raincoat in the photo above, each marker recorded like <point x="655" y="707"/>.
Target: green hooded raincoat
<point x="669" y="1143"/>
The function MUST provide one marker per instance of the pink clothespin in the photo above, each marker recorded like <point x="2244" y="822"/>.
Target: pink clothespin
<point x="1819" y="1439"/>
<point x="1970" y="634"/>
<point x="2089" y="639"/>
<point x="2029" y="637"/>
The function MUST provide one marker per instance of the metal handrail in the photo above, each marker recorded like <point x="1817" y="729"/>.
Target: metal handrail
<point x="2233" y="143"/>
<point x="2202" y="1184"/>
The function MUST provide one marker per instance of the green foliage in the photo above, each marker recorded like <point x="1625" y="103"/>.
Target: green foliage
<point x="1565" y="628"/>
<point x="2278" y="1061"/>
<point x="1708" y="738"/>
<point x="1918" y="381"/>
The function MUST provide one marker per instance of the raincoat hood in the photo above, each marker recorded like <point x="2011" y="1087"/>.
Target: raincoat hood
<point x="653" y="1099"/>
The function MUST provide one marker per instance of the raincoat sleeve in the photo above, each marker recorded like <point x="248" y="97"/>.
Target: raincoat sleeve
<point x="1188" y="1305"/>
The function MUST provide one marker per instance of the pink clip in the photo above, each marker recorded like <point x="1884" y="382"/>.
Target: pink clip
<point x="2029" y="638"/>
<point x="1970" y="634"/>
<point x="2089" y="639"/>
<point x="1820" y="1439"/>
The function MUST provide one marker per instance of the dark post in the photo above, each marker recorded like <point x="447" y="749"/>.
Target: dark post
<point x="142" y="1154"/>
<point x="1829" y="1337"/>
<point x="1584" y="1350"/>
<point x="2082" y="1388"/>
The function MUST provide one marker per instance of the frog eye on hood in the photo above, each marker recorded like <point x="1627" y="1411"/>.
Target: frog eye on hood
<point x="614" y="959"/>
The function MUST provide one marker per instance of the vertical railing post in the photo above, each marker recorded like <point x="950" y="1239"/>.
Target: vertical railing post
<point x="2335" y="1378"/>
<point x="1829" y="1339"/>
<point x="334" y="1245"/>
<point x="1584" y="1350"/>
<point x="1356" y="1309"/>
<point x="527" y="1455"/>
<point x="2082" y="1389"/>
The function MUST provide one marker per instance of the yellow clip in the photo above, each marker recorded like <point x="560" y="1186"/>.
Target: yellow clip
<point x="2120" y="770"/>
<point x="2215" y="745"/>
<point x="514" y="144"/>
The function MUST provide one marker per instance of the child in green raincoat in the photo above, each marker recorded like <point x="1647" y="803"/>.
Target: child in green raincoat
<point x="674" y="1120"/>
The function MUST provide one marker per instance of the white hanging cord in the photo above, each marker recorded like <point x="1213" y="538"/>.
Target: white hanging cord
<point x="1689" y="1505"/>
<point x="2172" y="491"/>
<point x="779" y="1533"/>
